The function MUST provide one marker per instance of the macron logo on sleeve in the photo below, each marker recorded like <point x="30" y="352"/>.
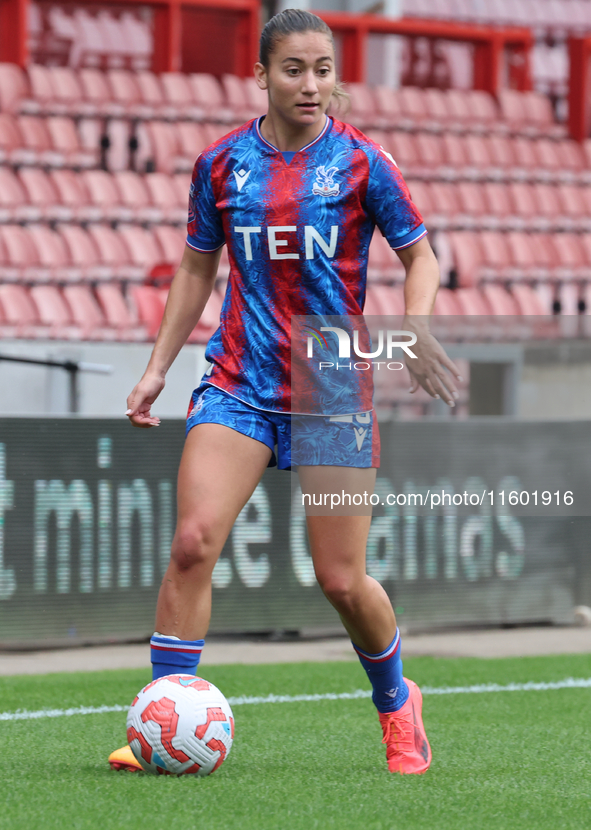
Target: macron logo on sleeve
<point x="241" y="178"/>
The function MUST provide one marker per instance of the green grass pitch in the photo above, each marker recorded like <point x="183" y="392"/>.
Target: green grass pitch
<point x="501" y="761"/>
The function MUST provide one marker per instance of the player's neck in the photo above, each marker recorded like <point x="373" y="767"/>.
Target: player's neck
<point x="289" y="138"/>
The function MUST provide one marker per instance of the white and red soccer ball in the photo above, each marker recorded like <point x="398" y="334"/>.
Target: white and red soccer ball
<point x="180" y="725"/>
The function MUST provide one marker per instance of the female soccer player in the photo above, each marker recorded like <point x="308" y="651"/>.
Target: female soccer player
<point x="295" y="196"/>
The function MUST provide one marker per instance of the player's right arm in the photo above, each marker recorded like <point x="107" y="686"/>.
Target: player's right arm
<point x="189" y="293"/>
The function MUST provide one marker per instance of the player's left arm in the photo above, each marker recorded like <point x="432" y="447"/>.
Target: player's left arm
<point x="432" y="369"/>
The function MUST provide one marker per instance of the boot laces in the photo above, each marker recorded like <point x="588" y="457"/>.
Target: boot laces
<point x="398" y="734"/>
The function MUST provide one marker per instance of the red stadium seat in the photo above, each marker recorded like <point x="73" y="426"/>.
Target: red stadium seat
<point x="20" y="312"/>
<point x="497" y="199"/>
<point x="430" y="151"/>
<point x="524" y="152"/>
<point x="363" y="111"/>
<point x="471" y="302"/>
<point x="477" y="152"/>
<point x="164" y="194"/>
<point x="454" y="150"/>
<point x="501" y="151"/>
<point x="209" y="96"/>
<point x="191" y="142"/>
<point x="472" y="199"/>
<point x="42" y="195"/>
<point x="65" y="140"/>
<point x="125" y="91"/>
<point x="118" y="313"/>
<point x="496" y="255"/>
<point x="179" y="93"/>
<point x="14" y="88"/>
<point x="87" y="314"/>
<point x="571" y="154"/>
<point x="152" y="95"/>
<point x="22" y="254"/>
<point x="499" y="300"/>
<point x="164" y="145"/>
<point x="403" y="149"/>
<point x="511" y="109"/>
<point x="572" y="203"/>
<point x="548" y="155"/>
<point x="54" y="312"/>
<point x="114" y="253"/>
<point x="420" y="193"/>
<point x="136" y="196"/>
<point x="182" y="183"/>
<point x="538" y="112"/>
<point x="436" y="105"/>
<point x="467" y="257"/>
<point x="150" y="303"/>
<point x="74" y="194"/>
<point x="446" y="303"/>
<point x="412" y="104"/>
<point x="143" y="246"/>
<point x="42" y="89"/>
<point x="547" y="202"/>
<point x="68" y="92"/>
<point x="84" y="253"/>
<point x="209" y="320"/>
<point x="97" y="91"/>
<point x="36" y="137"/>
<point x="103" y="190"/>
<point x="570" y="257"/>
<point x="378" y="262"/>
<point x="459" y="108"/>
<point x="237" y="98"/>
<point x="12" y="144"/>
<point x="445" y="203"/>
<point x="388" y="107"/>
<point x="54" y="254"/>
<point x="384" y="300"/>
<point x="482" y="107"/>
<point x="528" y="302"/>
<point x="14" y="199"/>
<point x="523" y="199"/>
<point x="521" y="253"/>
<point x="172" y="242"/>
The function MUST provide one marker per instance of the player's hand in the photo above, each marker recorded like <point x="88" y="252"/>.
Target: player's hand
<point x="141" y="399"/>
<point x="432" y="369"/>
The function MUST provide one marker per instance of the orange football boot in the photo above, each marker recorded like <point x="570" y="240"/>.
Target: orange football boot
<point x="407" y="748"/>
<point x="124" y="759"/>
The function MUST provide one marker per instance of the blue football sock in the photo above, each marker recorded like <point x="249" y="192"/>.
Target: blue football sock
<point x="384" y="670"/>
<point x="173" y="656"/>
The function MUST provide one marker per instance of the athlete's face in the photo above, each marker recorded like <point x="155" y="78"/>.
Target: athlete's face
<point x="300" y="78"/>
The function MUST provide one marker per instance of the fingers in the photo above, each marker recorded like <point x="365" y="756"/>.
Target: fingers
<point x="450" y="366"/>
<point x="142" y="418"/>
<point x="436" y="383"/>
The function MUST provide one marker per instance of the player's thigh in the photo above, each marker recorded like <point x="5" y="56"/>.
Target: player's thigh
<point x="219" y="470"/>
<point x="338" y="542"/>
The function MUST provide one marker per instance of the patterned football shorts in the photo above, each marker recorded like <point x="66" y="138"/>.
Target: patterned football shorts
<point x="315" y="440"/>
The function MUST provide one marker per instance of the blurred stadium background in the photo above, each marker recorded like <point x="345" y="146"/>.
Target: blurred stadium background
<point x="485" y="105"/>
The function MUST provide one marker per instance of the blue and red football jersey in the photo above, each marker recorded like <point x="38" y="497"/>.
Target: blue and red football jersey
<point x="298" y="235"/>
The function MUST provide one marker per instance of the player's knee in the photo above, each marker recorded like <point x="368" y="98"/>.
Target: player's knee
<point x="341" y="590"/>
<point x="193" y="546"/>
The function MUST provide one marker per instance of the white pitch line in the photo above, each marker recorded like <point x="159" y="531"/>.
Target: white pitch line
<point x="568" y="683"/>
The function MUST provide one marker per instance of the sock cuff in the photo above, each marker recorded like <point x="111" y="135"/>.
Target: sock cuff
<point x="386" y="654"/>
<point x="173" y="644"/>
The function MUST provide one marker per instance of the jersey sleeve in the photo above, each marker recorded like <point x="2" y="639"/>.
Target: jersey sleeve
<point x="205" y="232"/>
<point x="388" y="200"/>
